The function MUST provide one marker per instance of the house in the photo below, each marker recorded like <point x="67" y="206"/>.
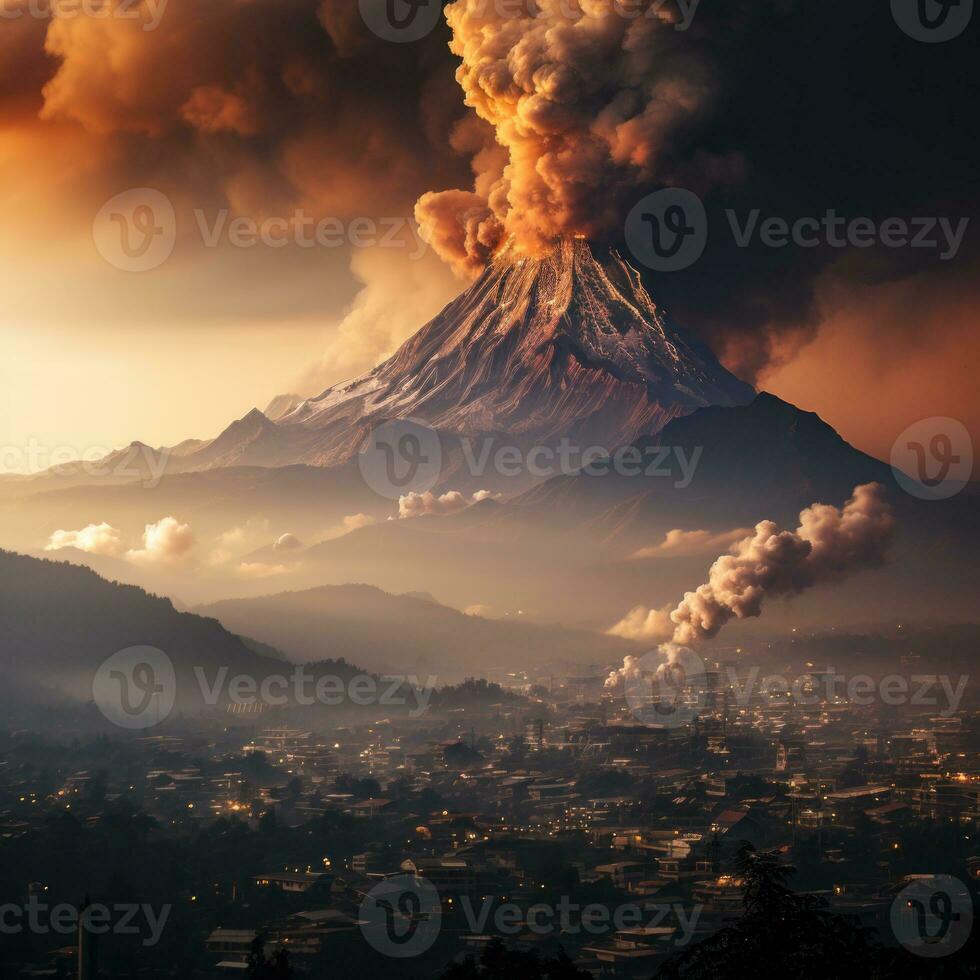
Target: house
<point x="624" y="874"/>
<point x="634" y="951"/>
<point x="369" y="808"/>
<point x="845" y="804"/>
<point x="232" y="947"/>
<point x="305" y="933"/>
<point x="891" y="814"/>
<point x="297" y="883"/>
<point x="734" y="825"/>
<point x="449" y="876"/>
<point x="720" y="900"/>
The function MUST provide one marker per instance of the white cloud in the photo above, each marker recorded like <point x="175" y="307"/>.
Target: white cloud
<point x="421" y="504"/>
<point x="95" y="539"/>
<point x="642" y="623"/>
<point x="681" y="544"/>
<point x="354" y="522"/>
<point x="287" y="542"/>
<point x="166" y="542"/>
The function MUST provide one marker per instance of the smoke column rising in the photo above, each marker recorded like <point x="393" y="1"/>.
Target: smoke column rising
<point x="585" y="101"/>
<point x="828" y="544"/>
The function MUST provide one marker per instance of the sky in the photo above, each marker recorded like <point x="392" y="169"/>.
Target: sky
<point x="303" y="154"/>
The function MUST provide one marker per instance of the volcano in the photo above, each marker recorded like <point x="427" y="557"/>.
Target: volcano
<point x="568" y="345"/>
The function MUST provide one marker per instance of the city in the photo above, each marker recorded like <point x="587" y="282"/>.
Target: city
<point x="542" y="814"/>
<point x="488" y="489"/>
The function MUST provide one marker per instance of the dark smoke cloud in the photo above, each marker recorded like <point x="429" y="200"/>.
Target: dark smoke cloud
<point x="263" y="105"/>
<point x="588" y="104"/>
<point x="788" y="107"/>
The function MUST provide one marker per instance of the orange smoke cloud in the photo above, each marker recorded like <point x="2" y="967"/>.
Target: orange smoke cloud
<point x="585" y="104"/>
<point x="260" y="105"/>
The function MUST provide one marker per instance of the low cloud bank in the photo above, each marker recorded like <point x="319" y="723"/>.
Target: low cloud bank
<point x="422" y="504"/>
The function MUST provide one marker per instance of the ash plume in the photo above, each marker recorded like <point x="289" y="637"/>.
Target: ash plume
<point x="828" y="544"/>
<point x="584" y="105"/>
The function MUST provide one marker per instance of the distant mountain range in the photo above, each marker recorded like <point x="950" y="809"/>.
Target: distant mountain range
<point x="566" y="550"/>
<point x="398" y="634"/>
<point x="60" y="622"/>
<point x="568" y="347"/>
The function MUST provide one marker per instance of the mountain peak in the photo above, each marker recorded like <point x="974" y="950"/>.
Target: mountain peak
<point x="565" y="345"/>
<point x="568" y="344"/>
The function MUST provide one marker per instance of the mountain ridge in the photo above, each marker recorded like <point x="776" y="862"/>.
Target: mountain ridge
<point x="570" y="345"/>
<point x="566" y="345"/>
<point x="381" y="630"/>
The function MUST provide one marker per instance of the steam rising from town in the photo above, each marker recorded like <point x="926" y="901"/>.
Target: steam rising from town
<point x="828" y="544"/>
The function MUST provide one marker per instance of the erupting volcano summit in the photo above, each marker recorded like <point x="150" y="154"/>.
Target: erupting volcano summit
<point x="566" y="345"/>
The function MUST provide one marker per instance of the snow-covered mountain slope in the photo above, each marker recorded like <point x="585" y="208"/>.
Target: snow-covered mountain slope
<point x="570" y="345"/>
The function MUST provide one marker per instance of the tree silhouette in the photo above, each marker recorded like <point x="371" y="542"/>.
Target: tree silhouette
<point x="261" y="968"/>
<point x="499" y="963"/>
<point x="782" y="934"/>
